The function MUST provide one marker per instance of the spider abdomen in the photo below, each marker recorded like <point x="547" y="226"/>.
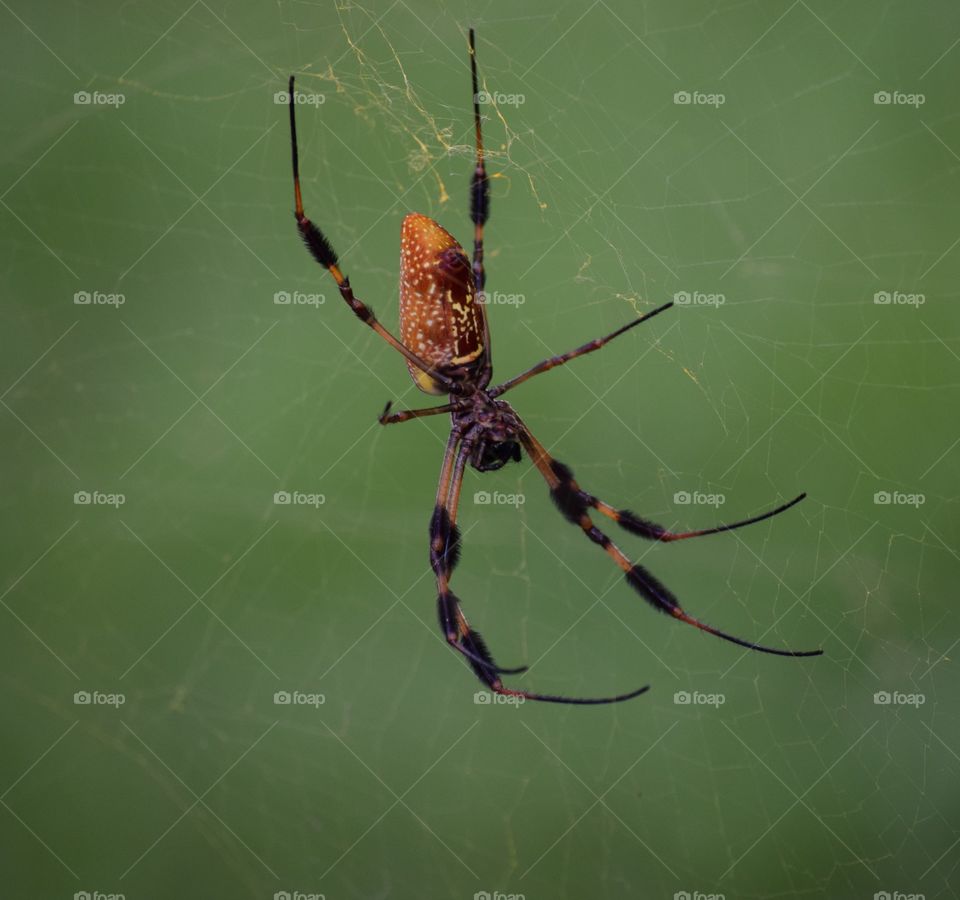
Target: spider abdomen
<point x="441" y="319"/>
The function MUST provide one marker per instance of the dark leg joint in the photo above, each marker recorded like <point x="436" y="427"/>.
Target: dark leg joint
<point x="448" y="620"/>
<point x="316" y="241"/>
<point x="635" y="525"/>
<point x="444" y="542"/>
<point x="652" y="590"/>
<point x="567" y="497"/>
<point x="479" y="197"/>
<point x="597" y="536"/>
<point x="360" y="309"/>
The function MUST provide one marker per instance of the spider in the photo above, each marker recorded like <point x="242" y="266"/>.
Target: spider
<point x="445" y="340"/>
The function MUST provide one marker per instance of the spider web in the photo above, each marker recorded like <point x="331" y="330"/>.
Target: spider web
<point x="807" y="229"/>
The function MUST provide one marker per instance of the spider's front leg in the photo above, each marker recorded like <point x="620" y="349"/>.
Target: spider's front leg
<point x="322" y="251"/>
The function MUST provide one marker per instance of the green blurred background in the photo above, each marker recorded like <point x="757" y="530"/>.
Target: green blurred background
<point x="797" y="200"/>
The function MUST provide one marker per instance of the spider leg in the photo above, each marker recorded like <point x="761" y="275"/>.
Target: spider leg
<point x="644" y="528"/>
<point x="388" y="418"/>
<point x="479" y="210"/>
<point x="323" y="252"/>
<point x="444" y="555"/>
<point x="654" y="532"/>
<point x="573" y="504"/>
<point x="554" y="361"/>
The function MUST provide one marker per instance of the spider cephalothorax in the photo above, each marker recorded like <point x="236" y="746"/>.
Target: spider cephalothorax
<point x="492" y="429"/>
<point x="445" y="340"/>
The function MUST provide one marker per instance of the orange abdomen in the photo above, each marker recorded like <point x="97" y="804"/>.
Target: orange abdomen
<point x="441" y="319"/>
